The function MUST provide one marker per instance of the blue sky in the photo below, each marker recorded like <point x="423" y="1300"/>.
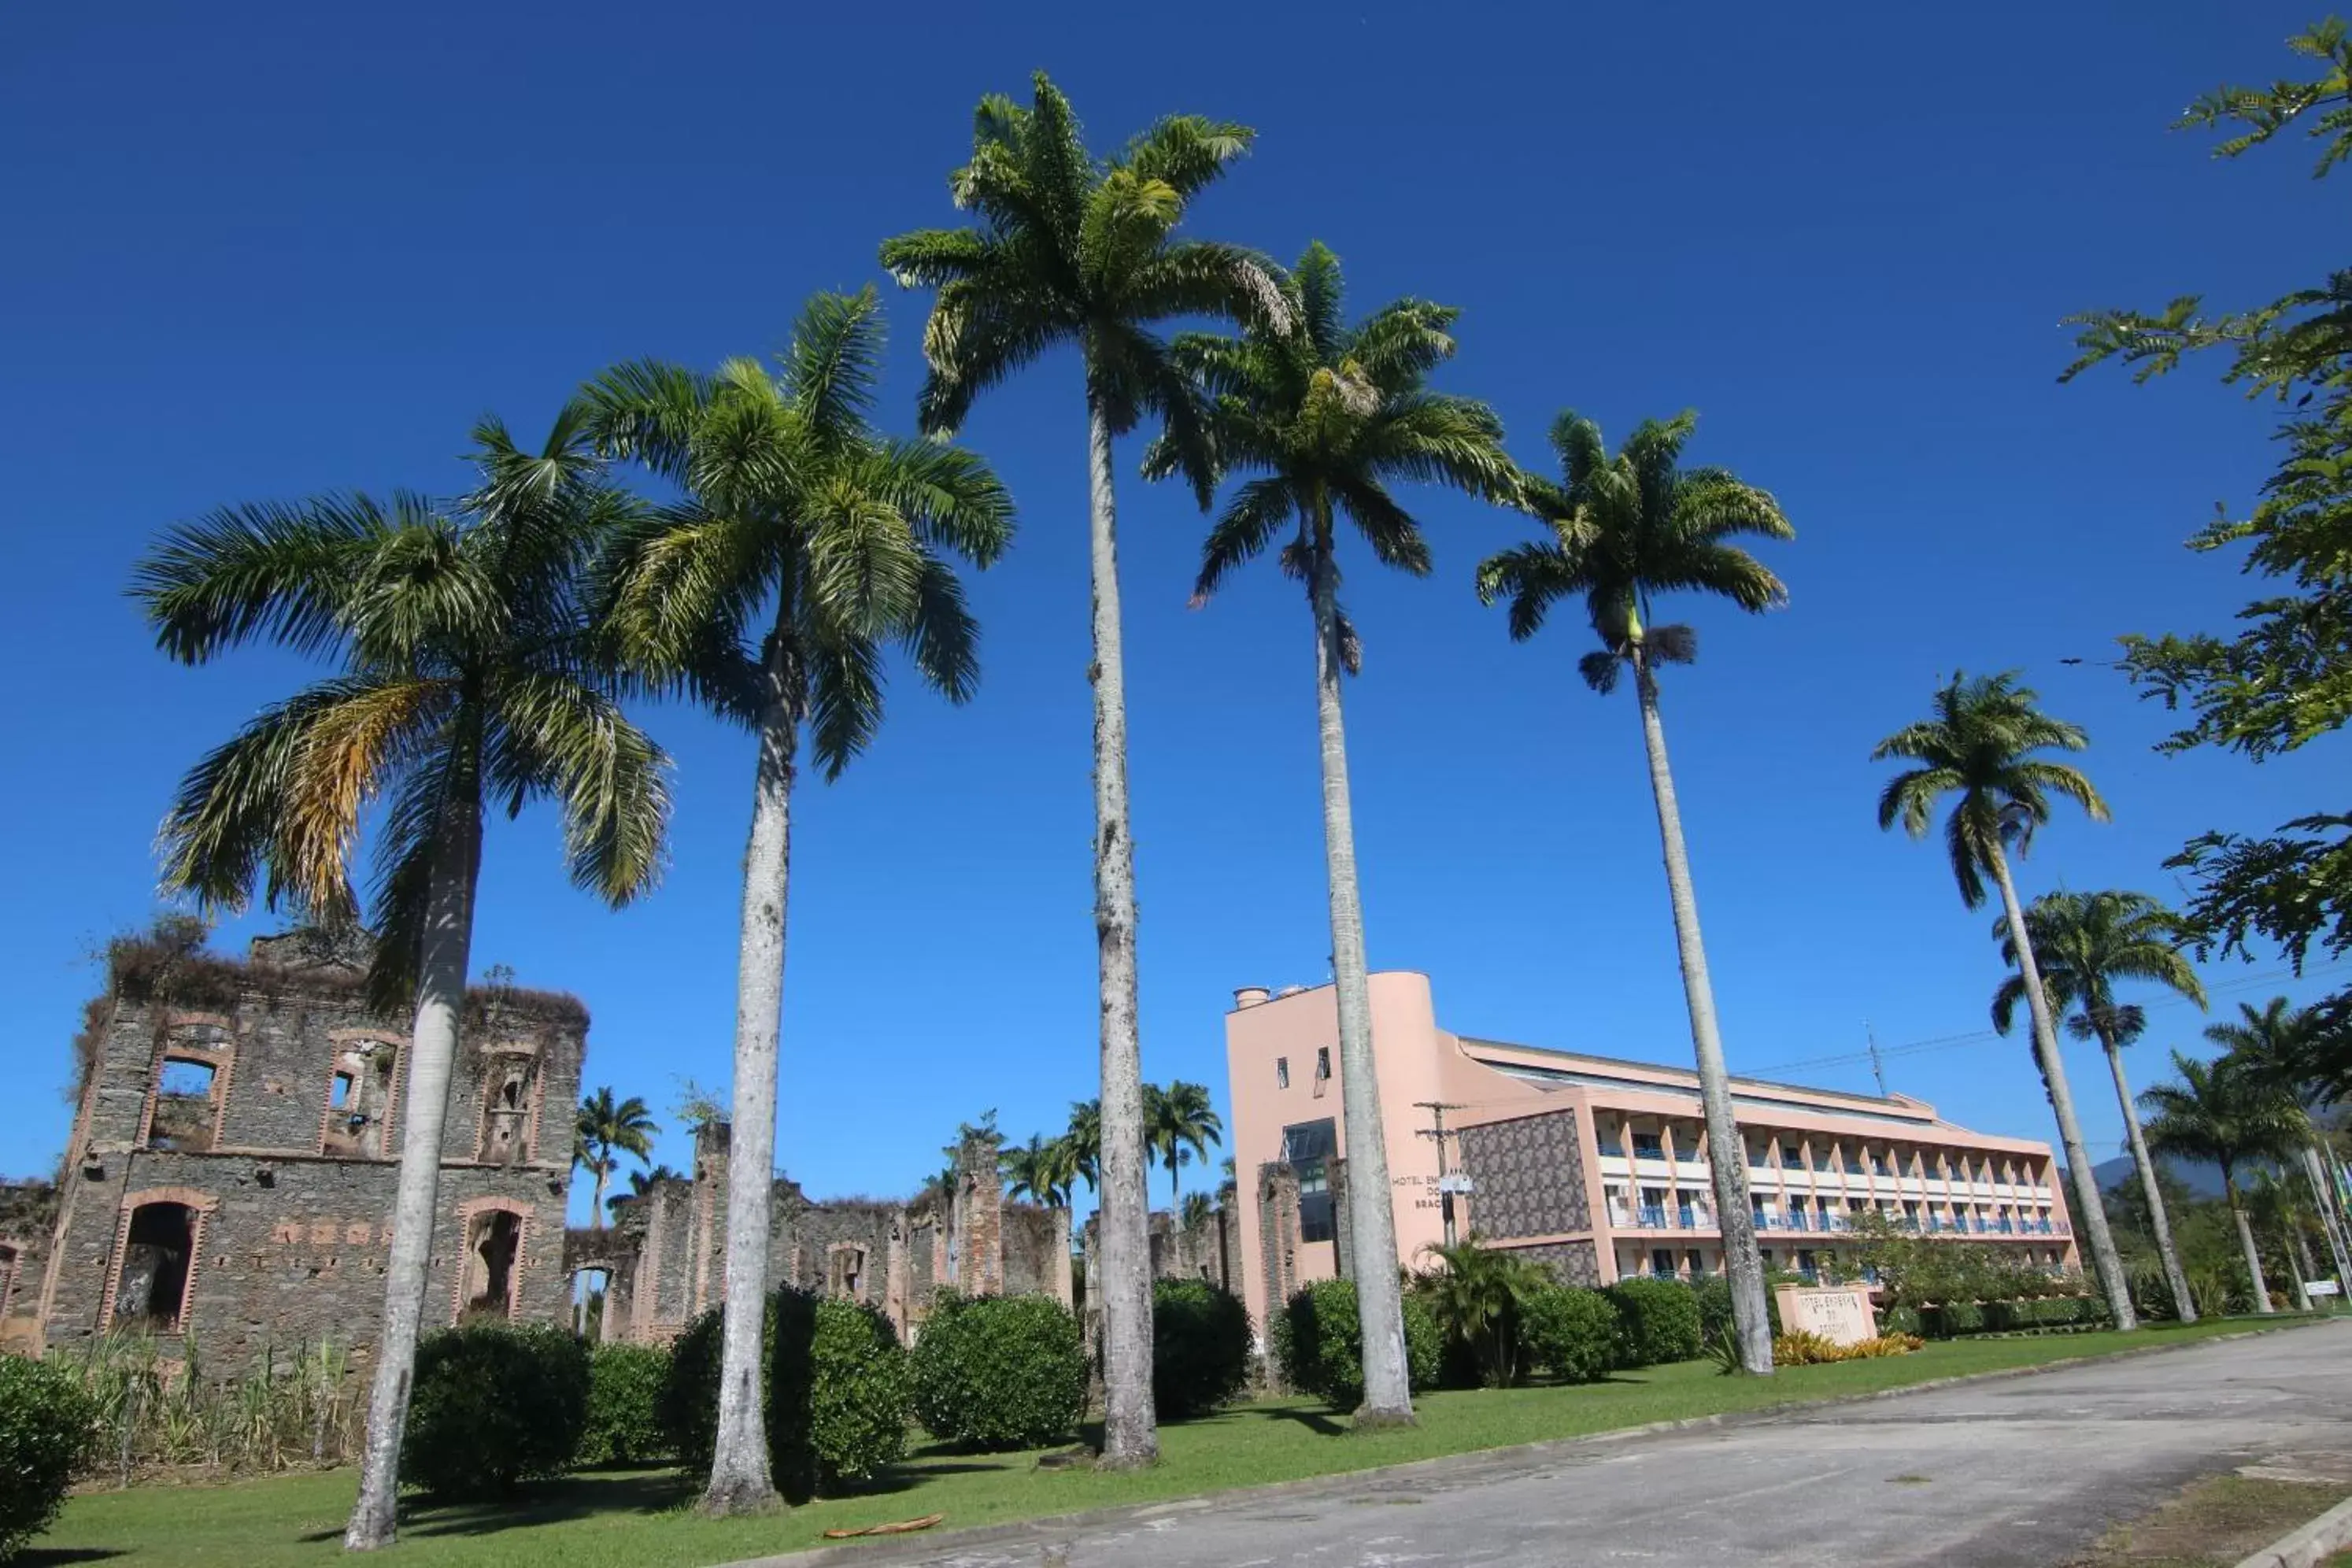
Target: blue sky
<point x="262" y="250"/>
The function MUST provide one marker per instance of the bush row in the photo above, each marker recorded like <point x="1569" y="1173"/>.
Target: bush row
<point x="1318" y="1343"/>
<point x="1803" y="1349"/>
<point x="1950" y="1320"/>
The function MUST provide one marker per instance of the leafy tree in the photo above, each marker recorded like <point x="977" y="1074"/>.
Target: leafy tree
<point x="1179" y="1124"/>
<point x="2085" y="942"/>
<point x="803" y="542"/>
<point x="2301" y="1052"/>
<point x="1980" y="747"/>
<point x="1197" y="1210"/>
<point x="1326" y="419"/>
<point x="605" y="1130"/>
<point x="2284" y="678"/>
<point x="470" y="675"/>
<point x="1625" y="528"/>
<point x="1079" y="250"/>
<point x="2228" y="1114"/>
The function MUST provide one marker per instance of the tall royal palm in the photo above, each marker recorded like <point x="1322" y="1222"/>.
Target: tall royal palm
<point x="2289" y="1048"/>
<point x="604" y="1130"/>
<point x="1075" y="250"/>
<point x="1980" y="748"/>
<point x="468" y="676"/>
<point x="1179" y="1124"/>
<point x="1321" y="420"/>
<point x="2085" y="942"/>
<point x="803" y="544"/>
<point x="1622" y="530"/>
<point x="2227" y="1112"/>
<point x="1047" y="1170"/>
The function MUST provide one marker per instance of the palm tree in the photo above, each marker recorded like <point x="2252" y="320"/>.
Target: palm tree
<point x="1074" y="249"/>
<point x="1180" y="1123"/>
<point x="469" y="675"/>
<point x="2287" y="1048"/>
<point x="804" y="542"/>
<point x="1980" y="747"/>
<point x="2228" y="1113"/>
<point x="2085" y="943"/>
<point x="1326" y="417"/>
<point x="640" y="1184"/>
<point x="1624" y="528"/>
<point x="2275" y="1206"/>
<point x="605" y="1130"/>
<point x="1047" y="1170"/>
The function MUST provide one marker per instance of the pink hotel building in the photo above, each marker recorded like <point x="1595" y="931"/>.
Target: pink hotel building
<point x="1593" y="1164"/>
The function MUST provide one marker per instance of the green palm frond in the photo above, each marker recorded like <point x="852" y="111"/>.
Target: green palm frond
<point x="2083" y="943"/>
<point x="1627" y="527"/>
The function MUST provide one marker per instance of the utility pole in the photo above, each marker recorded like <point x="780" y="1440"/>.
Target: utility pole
<point x="1436" y="1129"/>
<point x="1877" y="1069"/>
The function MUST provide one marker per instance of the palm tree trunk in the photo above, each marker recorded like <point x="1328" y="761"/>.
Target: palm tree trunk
<point x="596" y="1208"/>
<point x="2090" y="1218"/>
<point x="1728" y="1151"/>
<point x="1131" y="1430"/>
<point x="2301" y="1261"/>
<point x="740" y="1480"/>
<point x="2150" y="1189"/>
<point x="2323" y="1193"/>
<point x="1371" y="1217"/>
<point x="2246" y="1240"/>
<point x="432" y="1058"/>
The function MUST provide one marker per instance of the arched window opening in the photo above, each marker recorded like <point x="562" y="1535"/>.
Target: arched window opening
<point x="151" y="1291"/>
<point x="359" y="1099"/>
<point x="185" y="1111"/>
<point x="493" y="1243"/>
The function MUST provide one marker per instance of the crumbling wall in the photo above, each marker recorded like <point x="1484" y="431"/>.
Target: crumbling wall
<point x="28" y="1215"/>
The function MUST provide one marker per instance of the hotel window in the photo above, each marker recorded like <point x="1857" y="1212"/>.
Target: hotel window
<point x="1647" y="1146"/>
<point x="1759" y="1156"/>
<point x="1282" y="1072"/>
<point x="1322" y="1061"/>
<point x="1307" y="1147"/>
<point x="1791" y="1157"/>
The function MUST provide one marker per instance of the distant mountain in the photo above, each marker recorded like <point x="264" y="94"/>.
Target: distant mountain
<point x="2203" y="1180"/>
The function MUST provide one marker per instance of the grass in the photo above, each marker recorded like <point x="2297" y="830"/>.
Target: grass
<point x="2214" y="1522"/>
<point x="643" y="1520"/>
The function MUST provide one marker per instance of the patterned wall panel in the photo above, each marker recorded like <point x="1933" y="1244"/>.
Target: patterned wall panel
<point x="1530" y="1175"/>
<point x="1575" y="1262"/>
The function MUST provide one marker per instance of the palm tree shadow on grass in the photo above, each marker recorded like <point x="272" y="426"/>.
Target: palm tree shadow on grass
<point x="1319" y="1421"/>
<point x="544" y="1503"/>
<point x="53" y="1557"/>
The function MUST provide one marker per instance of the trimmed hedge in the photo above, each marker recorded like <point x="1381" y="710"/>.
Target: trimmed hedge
<point x="1000" y="1372"/>
<point x="496" y="1404"/>
<point x="1199" y="1347"/>
<point x="1318" y="1343"/>
<point x="1657" y="1321"/>
<point x="625" y="1388"/>
<point x="46" y="1422"/>
<point x="1954" y="1319"/>
<point x="837" y="1388"/>
<point x="1570" y="1332"/>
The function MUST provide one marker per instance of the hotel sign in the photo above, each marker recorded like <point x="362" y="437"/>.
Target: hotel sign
<point x="1840" y="1314"/>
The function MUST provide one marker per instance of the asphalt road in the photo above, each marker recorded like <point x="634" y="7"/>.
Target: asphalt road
<point x="2020" y="1472"/>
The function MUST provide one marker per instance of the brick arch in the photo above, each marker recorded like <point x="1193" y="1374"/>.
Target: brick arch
<point x="525" y="1215"/>
<point x="200" y="1205"/>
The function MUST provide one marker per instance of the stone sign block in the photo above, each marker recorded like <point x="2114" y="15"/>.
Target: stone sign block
<point x="1842" y="1314"/>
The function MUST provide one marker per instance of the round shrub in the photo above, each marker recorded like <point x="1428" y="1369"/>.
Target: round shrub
<point x="625" y="1387"/>
<point x="1657" y="1321"/>
<point x="1199" y="1347"/>
<point x="1000" y="1372"/>
<point x="46" y="1422"/>
<point x="493" y="1405"/>
<point x="838" y="1387"/>
<point x="1570" y="1332"/>
<point x="1319" y="1343"/>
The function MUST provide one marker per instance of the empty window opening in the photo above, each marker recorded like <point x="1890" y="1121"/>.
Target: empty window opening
<point x="183" y="1105"/>
<point x="359" y="1099"/>
<point x="8" y="1259"/>
<point x="492" y="1241"/>
<point x="506" y="1110"/>
<point x="151" y="1291"/>
<point x="592" y="1290"/>
<point x="848" y="1273"/>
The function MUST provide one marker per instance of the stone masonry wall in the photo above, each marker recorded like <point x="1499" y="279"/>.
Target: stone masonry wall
<point x="1529" y="1172"/>
<point x="284" y="1164"/>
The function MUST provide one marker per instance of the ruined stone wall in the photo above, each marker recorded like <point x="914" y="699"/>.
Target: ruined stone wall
<point x="234" y="1162"/>
<point x="28" y="1215"/>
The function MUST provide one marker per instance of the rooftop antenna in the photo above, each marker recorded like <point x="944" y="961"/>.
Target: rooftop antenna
<point x="1877" y="1068"/>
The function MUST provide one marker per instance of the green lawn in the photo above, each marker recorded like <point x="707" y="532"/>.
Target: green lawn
<point x="638" y="1519"/>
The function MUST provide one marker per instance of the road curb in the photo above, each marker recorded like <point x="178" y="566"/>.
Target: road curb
<point x="2315" y="1543"/>
<point x="908" y="1548"/>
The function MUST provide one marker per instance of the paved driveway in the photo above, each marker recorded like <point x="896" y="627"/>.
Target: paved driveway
<point x="2019" y="1472"/>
